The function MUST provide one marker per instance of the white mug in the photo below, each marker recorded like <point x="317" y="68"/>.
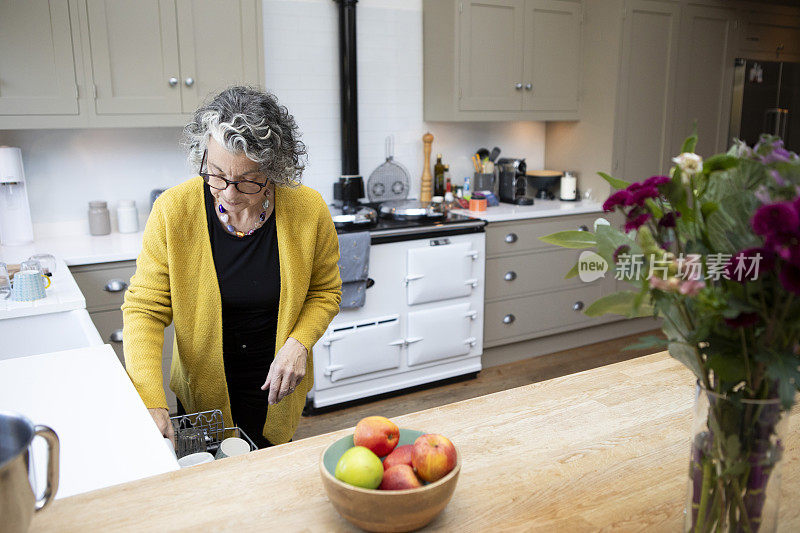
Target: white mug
<point x="231" y="447"/>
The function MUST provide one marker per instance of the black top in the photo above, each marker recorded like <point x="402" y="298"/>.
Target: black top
<point x="248" y="273"/>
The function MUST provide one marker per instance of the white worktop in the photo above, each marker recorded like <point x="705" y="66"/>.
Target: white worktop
<point x="106" y="434"/>
<point x="62" y="295"/>
<point x="78" y="249"/>
<point x="539" y="209"/>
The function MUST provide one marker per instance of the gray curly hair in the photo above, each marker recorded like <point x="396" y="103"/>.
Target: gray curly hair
<point x="250" y="121"/>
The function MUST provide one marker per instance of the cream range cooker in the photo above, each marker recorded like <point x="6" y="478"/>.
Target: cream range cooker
<point x="423" y="316"/>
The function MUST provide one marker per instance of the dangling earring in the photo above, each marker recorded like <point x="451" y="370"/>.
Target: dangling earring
<point x="266" y="200"/>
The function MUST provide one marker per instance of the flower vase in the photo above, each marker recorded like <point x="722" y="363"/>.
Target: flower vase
<point x="734" y="468"/>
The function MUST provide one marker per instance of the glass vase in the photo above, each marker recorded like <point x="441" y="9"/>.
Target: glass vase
<point x="734" y="466"/>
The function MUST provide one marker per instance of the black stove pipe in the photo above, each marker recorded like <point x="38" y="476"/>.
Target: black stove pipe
<point x="348" y="84"/>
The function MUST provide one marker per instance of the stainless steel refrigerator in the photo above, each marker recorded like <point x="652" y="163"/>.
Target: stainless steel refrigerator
<point x="766" y="99"/>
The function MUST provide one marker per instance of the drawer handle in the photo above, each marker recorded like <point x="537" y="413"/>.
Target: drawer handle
<point x="115" y="285"/>
<point x="510" y="276"/>
<point x="508" y="319"/>
<point x="511" y="238"/>
<point x="116" y="336"/>
<point x="583" y="227"/>
<point x="577" y="306"/>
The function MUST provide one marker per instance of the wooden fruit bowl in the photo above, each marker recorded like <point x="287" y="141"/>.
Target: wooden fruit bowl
<point x="385" y="510"/>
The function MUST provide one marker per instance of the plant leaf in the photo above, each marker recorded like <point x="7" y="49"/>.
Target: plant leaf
<point x="719" y="162"/>
<point x="615" y="182"/>
<point x="572" y="272"/>
<point x="691" y="142"/>
<point x="648" y="341"/>
<point x="618" y="303"/>
<point x="570" y="239"/>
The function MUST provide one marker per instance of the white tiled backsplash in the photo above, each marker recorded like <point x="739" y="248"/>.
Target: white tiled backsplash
<point x="67" y="168"/>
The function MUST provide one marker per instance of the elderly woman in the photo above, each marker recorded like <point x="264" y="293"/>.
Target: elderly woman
<point x="243" y="260"/>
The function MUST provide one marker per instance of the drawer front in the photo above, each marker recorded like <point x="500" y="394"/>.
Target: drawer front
<point x="109" y="326"/>
<point x="104" y="287"/>
<point x="541" y="271"/>
<point x="514" y="237"/>
<point x="541" y="313"/>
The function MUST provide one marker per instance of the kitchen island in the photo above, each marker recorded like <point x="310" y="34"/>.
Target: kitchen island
<point x="603" y="449"/>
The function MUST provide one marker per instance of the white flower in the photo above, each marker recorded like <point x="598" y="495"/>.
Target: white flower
<point x="689" y="163"/>
<point x="601" y="222"/>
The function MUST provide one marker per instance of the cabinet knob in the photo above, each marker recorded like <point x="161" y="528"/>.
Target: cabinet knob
<point x="115" y="285"/>
<point x="116" y="336"/>
<point x="509" y="318"/>
<point x="511" y="238"/>
<point x="173" y="82"/>
<point x="528" y="86"/>
<point x="583" y="227"/>
<point x="518" y="86"/>
<point x="577" y="306"/>
<point x="510" y="276"/>
<point x="189" y="82"/>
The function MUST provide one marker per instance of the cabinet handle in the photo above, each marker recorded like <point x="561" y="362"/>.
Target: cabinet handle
<point x="528" y="86"/>
<point x="115" y="285"/>
<point x="116" y="336"/>
<point x="518" y="86"/>
<point x="510" y="276"/>
<point x="583" y="227"/>
<point x="508" y="319"/>
<point x="173" y="82"/>
<point x="511" y="238"/>
<point x="577" y="306"/>
<point x="189" y="82"/>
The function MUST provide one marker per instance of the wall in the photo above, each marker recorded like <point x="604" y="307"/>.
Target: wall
<point x="67" y="168"/>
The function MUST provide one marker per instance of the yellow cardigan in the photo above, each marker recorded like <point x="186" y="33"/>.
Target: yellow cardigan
<point x="176" y="281"/>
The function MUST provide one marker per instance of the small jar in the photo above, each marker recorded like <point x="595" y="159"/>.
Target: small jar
<point x="127" y="217"/>
<point x="99" y="218"/>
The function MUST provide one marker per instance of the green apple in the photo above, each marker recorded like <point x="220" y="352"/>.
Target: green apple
<point x="359" y="466"/>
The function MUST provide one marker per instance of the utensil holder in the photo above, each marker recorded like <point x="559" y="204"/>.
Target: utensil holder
<point x="485" y="182"/>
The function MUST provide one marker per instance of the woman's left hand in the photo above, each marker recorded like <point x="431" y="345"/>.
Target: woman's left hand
<point x="286" y="371"/>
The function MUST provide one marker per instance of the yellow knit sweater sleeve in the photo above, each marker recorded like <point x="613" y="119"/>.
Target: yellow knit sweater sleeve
<point x="146" y="311"/>
<point x="325" y="288"/>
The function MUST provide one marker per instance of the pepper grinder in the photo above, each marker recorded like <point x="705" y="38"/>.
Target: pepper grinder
<point x="427" y="180"/>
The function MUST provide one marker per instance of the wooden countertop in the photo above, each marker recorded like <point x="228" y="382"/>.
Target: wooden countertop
<point x="603" y="449"/>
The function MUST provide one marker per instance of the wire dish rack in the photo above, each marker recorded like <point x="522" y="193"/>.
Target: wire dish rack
<point x="211" y="426"/>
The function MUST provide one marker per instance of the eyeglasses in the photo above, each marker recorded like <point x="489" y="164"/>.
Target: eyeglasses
<point x="219" y="183"/>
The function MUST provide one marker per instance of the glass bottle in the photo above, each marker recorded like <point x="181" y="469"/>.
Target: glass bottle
<point x="438" y="176"/>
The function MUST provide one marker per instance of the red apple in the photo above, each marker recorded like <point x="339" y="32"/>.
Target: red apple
<point x="377" y="433"/>
<point x="399" y="477"/>
<point x="400" y="456"/>
<point x="433" y="457"/>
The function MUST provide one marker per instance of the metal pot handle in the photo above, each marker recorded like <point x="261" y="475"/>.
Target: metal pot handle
<point x="52" y="465"/>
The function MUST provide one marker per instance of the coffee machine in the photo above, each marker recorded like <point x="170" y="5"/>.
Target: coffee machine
<point x="513" y="183"/>
<point x="15" y="212"/>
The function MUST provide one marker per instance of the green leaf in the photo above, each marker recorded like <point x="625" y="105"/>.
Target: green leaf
<point x="609" y="239"/>
<point x="690" y="143"/>
<point x="572" y="272"/>
<point x="615" y="182"/>
<point x="646" y="342"/>
<point x="784" y="370"/>
<point x="727" y="367"/>
<point x="570" y="239"/>
<point x="618" y="303"/>
<point x="707" y="208"/>
<point x="719" y="162"/>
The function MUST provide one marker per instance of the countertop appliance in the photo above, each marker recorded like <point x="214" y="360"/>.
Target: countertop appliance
<point x="15" y="212"/>
<point x="513" y="184"/>
<point x="765" y="94"/>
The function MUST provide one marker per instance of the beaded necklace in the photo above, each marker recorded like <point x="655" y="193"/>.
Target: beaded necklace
<point x="224" y="218"/>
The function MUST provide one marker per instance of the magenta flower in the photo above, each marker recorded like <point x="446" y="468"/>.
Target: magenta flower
<point x="777" y="155"/>
<point x="655" y="181"/>
<point x="669" y="220"/>
<point x="751" y="263"/>
<point x="643" y="194"/>
<point x="777" y="177"/>
<point x="691" y="287"/>
<point x="773" y="218"/>
<point x="619" y="198"/>
<point x="743" y="320"/>
<point x="636" y="222"/>
<point x="622" y="249"/>
<point x="790" y="278"/>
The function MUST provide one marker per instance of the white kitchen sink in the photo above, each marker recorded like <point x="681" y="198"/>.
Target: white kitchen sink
<point x="50" y="332"/>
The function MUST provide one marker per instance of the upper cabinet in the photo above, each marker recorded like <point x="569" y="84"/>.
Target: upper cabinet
<point x="501" y="59"/>
<point x="38" y="76"/>
<point x="144" y="63"/>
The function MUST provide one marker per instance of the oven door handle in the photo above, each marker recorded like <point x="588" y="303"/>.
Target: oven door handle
<point x="473" y="282"/>
<point x="412" y="277"/>
<point x="472" y="341"/>
<point x="330" y="338"/>
<point x="473" y="254"/>
<point x="398" y="342"/>
<point x="412" y="340"/>
<point x="330" y="369"/>
<point x="471" y="314"/>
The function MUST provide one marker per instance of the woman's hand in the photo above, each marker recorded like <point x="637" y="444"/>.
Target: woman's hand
<point x="163" y="423"/>
<point x="286" y="371"/>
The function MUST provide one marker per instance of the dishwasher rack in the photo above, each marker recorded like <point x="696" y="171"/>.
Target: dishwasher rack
<point x="213" y="427"/>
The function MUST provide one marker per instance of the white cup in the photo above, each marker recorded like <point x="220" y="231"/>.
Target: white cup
<point x="231" y="447"/>
<point x="194" y="459"/>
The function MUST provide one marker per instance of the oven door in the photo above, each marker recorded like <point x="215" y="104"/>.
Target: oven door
<point x="359" y="348"/>
<point x="441" y="271"/>
<point x="440" y="333"/>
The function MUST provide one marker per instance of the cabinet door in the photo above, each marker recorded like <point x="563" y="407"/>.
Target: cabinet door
<point x="37" y="73"/>
<point x="552" y="55"/>
<point x="440" y="333"/>
<point x="218" y="47"/>
<point x="646" y="95"/>
<point x="775" y="35"/>
<point x="134" y="49"/>
<point x="490" y="59"/>
<point x="440" y="272"/>
<point x="707" y="53"/>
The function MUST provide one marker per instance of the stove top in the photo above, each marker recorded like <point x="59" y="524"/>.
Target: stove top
<point x="386" y="230"/>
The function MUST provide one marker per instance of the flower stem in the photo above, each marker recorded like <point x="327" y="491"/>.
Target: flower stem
<point x="704" y="492"/>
